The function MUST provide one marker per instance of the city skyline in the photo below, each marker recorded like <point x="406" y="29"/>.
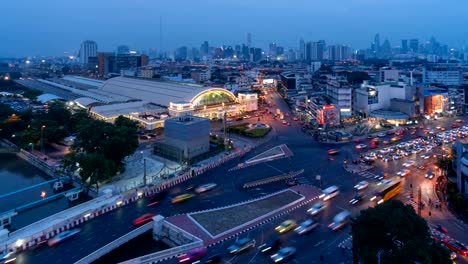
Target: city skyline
<point x="62" y="27"/>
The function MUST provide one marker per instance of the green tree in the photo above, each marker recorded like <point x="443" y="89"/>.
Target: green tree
<point x="357" y="77"/>
<point x="31" y="94"/>
<point x="5" y="111"/>
<point x="396" y="233"/>
<point x="111" y="143"/>
<point x="58" y="112"/>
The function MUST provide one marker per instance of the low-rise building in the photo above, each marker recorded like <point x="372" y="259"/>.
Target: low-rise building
<point x="185" y="137"/>
<point x="460" y="164"/>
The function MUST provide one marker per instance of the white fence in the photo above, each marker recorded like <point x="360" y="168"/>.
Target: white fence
<point x="115" y="244"/>
<point x="171" y="252"/>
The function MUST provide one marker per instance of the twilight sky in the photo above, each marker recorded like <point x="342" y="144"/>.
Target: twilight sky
<point x="51" y="27"/>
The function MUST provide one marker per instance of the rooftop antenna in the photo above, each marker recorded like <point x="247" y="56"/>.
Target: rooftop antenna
<point x="411" y="77"/>
<point x="160" y="36"/>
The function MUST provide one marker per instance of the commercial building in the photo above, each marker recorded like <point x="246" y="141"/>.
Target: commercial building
<point x="109" y="63"/>
<point x="314" y="51"/>
<point x="340" y="93"/>
<point x="186" y="137"/>
<point x="289" y="80"/>
<point x="387" y="74"/>
<point x="87" y="49"/>
<point x="180" y="99"/>
<point x="435" y="100"/>
<point x="460" y="164"/>
<point x="442" y="74"/>
<point x="201" y="76"/>
<point x="147" y="114"/>
<point x="396" y="102"/>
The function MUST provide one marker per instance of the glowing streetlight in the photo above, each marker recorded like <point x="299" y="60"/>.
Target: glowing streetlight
<point x="42" y="138"/>
<point x="43" y="194"/>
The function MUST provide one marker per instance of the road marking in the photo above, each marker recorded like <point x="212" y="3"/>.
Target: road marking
<point x="275" y="168"/>
<point x="319" y="243"/>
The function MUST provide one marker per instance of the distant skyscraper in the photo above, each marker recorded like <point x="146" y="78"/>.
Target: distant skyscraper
<point x="414" y="45"/>
<point x="386" y="49"/>
<point x="404" y="45"/>
<point x="320" y="49"/>
<point x="272" y="51"/>
<point x="249" y="40"/>
<point x="301" y="49"/>
<point x="377" y="42"/>
<point x="88" y="49"/>
<point x="181" y="53"/>
<point x="123" y="49"/>
<point x="338" y="52"/>
<point x="204" y="49"/>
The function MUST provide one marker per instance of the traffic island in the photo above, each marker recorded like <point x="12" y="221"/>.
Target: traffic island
<point x="219" y="221"/>
<point x="219" y="224"/>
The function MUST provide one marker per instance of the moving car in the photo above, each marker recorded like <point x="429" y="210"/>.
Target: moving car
<point x="146" y="218"/>
<point x="214" y="259"/>
<point x="306" y="226"/>
<point x="182" y="198"/>
<point x="205" y="187"/>
<point x="283" y="254"/>
<point x="329" y="192"/>
<point x="356" y="199"/>
<point x="340" y="220"/>
<point x="429" y="174"/>
<point x="271" y="245"/>
<point x="63" y="236"/>
<point x="361" y="146"/>
<point x="333" y="151"/>
<point x="404" y="172"/>
<point x="316" y="208"/>
<point x="241" y="245"/>
<point x="7" y="257"/>
<point x="192" y="255"/>
<point x="426" y="156"/>
<point x="456" y="246"/>
<point x="286" y="226"/>
<point x="361" y="185"/>
<point x="156" y="197"/>
<point x="387" y="158"/>
<point x="409" y="163"/>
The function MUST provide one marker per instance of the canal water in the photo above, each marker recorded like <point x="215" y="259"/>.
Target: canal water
<point x="15" y="174"/>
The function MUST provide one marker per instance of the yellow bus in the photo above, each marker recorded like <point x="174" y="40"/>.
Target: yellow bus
<point x="386" y="190"/>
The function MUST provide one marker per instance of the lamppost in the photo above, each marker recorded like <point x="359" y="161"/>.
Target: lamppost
<point x="42" y="138"/>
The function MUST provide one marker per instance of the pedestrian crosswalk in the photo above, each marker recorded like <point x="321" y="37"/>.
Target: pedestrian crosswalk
<point x="304" y="180"/>
<point x="368" y="175"/>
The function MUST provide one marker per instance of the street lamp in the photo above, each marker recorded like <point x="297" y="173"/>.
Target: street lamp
<point x="42" y="138"/>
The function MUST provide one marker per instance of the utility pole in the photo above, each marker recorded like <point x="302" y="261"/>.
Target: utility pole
<point x="42" y="138"/>
<point x="144" y="172"/>
<point x="419" y="201"/>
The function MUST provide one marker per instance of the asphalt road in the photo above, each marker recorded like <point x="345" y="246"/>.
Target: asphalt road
<point x="308" y="155"/>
